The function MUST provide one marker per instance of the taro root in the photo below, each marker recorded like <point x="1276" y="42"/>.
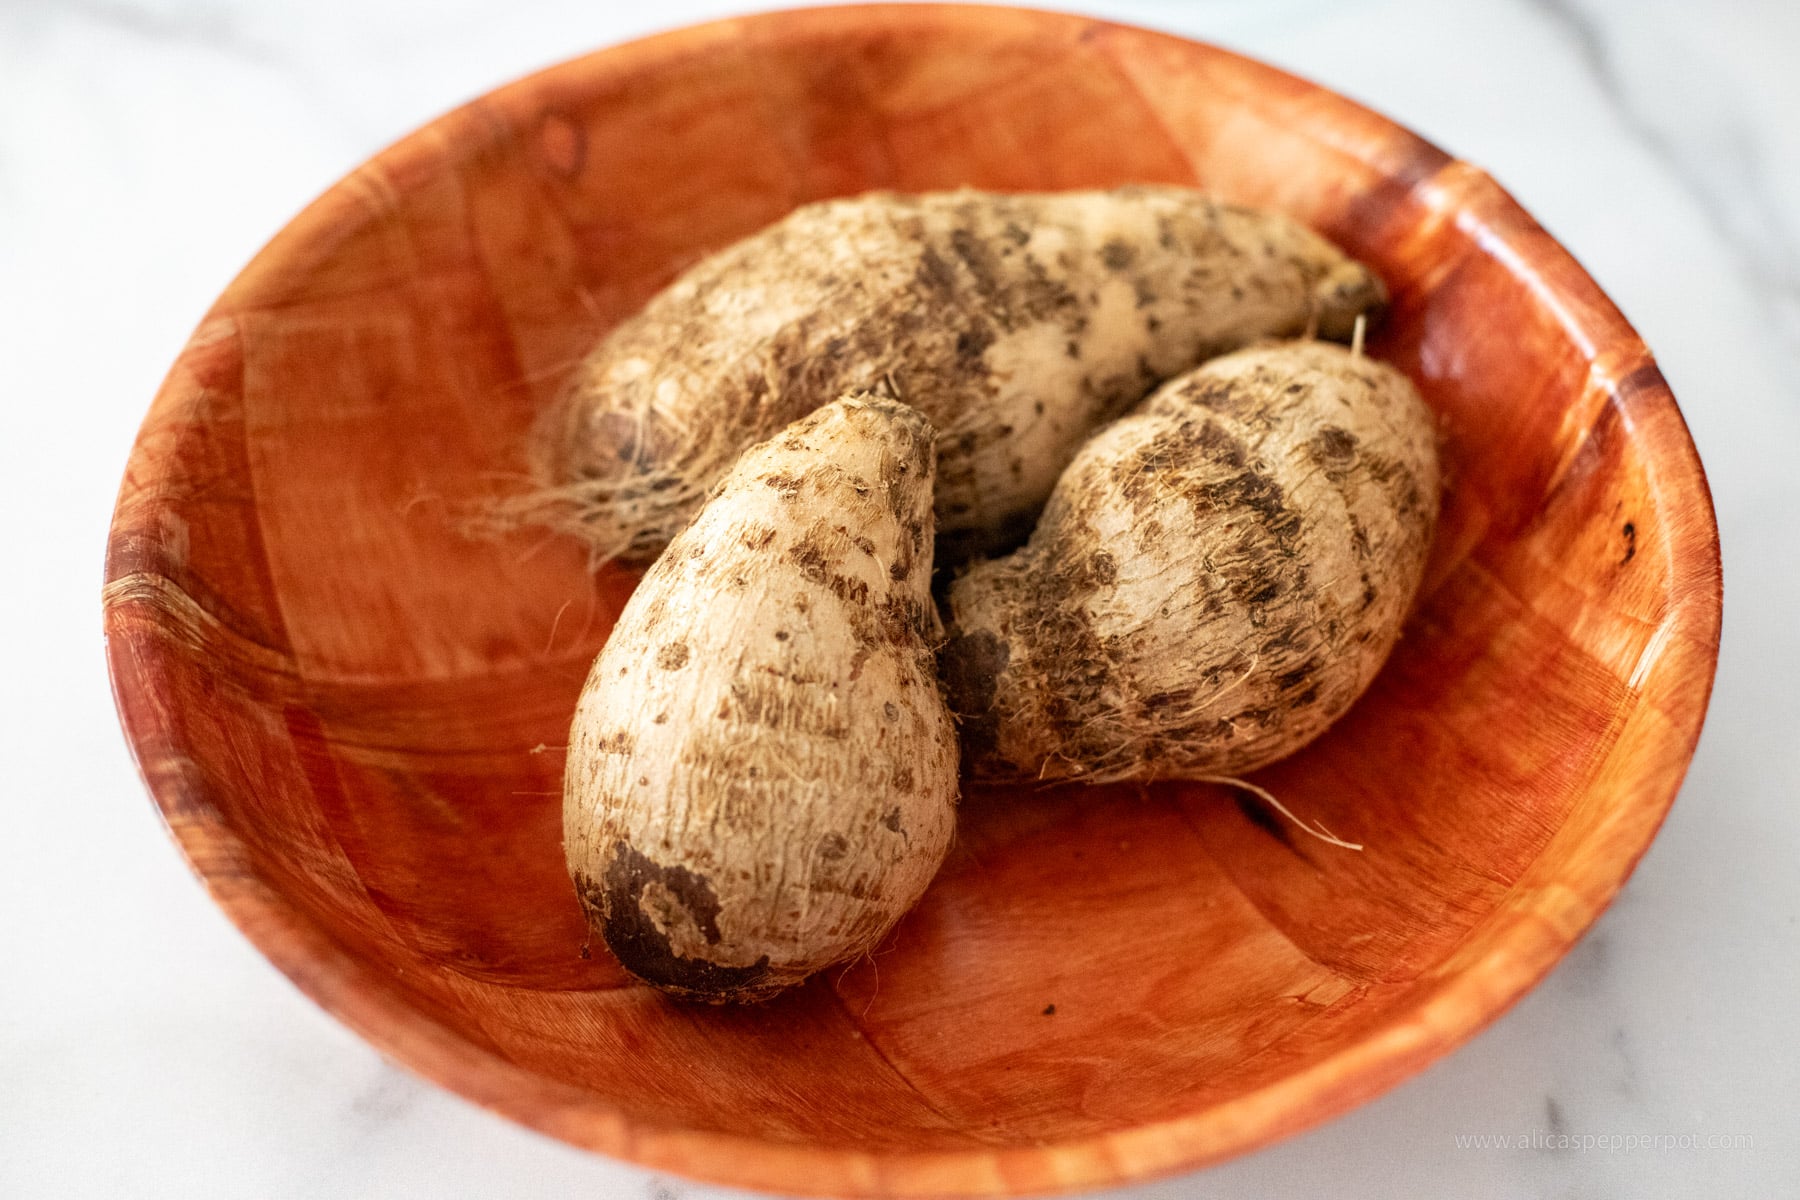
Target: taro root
<point x="1214" y="580"/>
<point x="762" y="772"/>
<point x="1017" y="324"/>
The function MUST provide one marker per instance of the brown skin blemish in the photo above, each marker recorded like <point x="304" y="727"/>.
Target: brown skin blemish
<point x="814" y="561"/>
<point x="616" y="741"/>
<point x="1102" y="569"/>
<point x="935" y="276"/>
<point x="1177" y="700"/>
<point x="644" y="949"/>
<point x="1071" y="675"/>
<point x="1334" y="450"/>
<point x="853" y="592"/>
<point x="1220" y="396"/>
<point x="1297" y="676"/>
<point x="1268" y="590"/>
<point x="1252" y="489"/>
<point x="672" y="656"/>
<point x="971" y="344"/>
<point x="978" y="259"/>
<point x="1630" y="543"/>
<point x="900" y="620"/>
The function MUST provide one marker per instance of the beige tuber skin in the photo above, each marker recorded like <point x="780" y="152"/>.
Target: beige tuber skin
<point x="762" y="773"/>
<point x="1214" y="580"/>
<point x="1017" y="323"/>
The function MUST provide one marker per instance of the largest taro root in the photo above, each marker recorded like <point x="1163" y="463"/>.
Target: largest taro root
<point x="1016" y="323"/>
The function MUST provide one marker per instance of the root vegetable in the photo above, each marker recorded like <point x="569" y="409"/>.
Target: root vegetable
<point x="1214" y="580"/>
<point x="762" y="770"/>
<point x="1017" y="323"/>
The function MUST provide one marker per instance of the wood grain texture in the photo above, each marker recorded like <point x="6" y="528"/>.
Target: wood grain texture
<point x="352" y="714"/>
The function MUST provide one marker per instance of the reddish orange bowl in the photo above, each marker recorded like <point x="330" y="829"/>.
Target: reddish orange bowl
<point x="351" y="713"/>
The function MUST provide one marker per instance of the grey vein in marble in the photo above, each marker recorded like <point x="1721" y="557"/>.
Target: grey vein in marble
<point x="385" y="1099"/>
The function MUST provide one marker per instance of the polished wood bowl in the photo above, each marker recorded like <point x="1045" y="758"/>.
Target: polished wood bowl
<point x="352" y="713"/>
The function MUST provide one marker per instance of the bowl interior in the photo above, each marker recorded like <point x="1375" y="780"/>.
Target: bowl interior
<point x="353" y="713"/>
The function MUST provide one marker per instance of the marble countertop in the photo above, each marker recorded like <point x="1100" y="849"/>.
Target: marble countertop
<point x="148" y="147"/>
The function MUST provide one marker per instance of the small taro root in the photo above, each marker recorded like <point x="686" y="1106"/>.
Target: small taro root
<point x="762" y="771"/>
<point x="1215" y="578"/>
<point x="1017" y="323"/>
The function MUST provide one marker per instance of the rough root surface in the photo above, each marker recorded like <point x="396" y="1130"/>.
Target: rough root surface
<point x="1214" y="580"/>
<point x="762" y="771"/>
<point x="1016" y="323"/>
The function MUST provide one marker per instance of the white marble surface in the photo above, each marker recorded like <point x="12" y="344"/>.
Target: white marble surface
<point x="148" y="147"/>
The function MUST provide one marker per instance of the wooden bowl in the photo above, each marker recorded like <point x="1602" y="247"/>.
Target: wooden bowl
<point x="351" y="714"/>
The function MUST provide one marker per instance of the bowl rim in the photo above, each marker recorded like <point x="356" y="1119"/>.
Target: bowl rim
<point x="1433" y="1018"/>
